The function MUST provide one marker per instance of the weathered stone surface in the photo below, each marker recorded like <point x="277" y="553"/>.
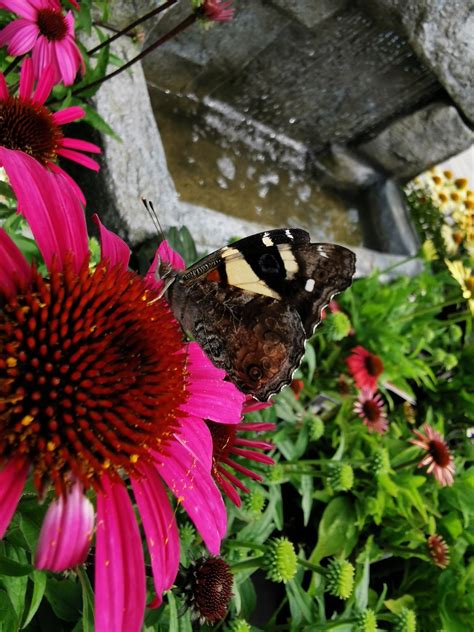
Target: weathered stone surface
<point x="344" y="169"/>
<point x="320" y="85"/>
<point x="387" y="218"/>
<point x="135" y="167"/>
<point x="198" y="59"/>
<point x="417" y="141"/>
<point x="309" y="12"/>
<point x="441" y="33"/>
<point x="123" y="12"/>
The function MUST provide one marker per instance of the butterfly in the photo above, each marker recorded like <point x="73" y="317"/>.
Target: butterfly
<point x="253" y="304"/>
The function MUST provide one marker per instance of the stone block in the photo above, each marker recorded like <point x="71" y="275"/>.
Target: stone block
<point x="417" y="141"/>
<point x="309" y="12"/>
<point x="441" y="32"/>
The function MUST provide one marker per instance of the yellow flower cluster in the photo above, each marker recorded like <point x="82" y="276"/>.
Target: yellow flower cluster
<point x="456" y="201"/>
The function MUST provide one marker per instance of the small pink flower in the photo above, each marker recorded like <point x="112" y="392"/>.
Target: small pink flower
<point x="370" y="407"/>
<point x="438" y="457"/>
<point x="217" y="10"/>
<point x="365" y="367"/>
<point x="228" y="444"/>
<point x="32" y="141"/>
<point x="43" y="29"/>
<point x="99" y="394"/>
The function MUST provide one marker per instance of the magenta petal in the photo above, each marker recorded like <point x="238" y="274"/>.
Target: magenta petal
<point x="68" y="115"/>
<point x="20" y="7"/>
<point x="66" y="532"/>
<point x="3" y="87"/>
<point x="50" y="206"/>
<point x="112" y="247"/>
<point x="168" y="255"/>
<point x="211" y="397"/>
<point x="15" y="271"/>
<point x="120" y="592"/>
<point x="81" y="145"/>
<point x="194" y="487"/>
<point x="67" y="60"/>
<point x="45" y="83"/>
<point x="195" y="435"/>
<point x="20" y="36"/>
<point x="81" y="159"/>
<point x="26" y="79"/>
<point x="12" y="480"/>
<point x="161" y="532"/>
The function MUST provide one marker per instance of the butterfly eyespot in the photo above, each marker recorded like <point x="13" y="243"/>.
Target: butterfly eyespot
<point x="254" y="372"/>
<point x="269" y="264"/>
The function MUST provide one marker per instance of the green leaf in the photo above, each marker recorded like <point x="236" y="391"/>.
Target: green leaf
<point x="95" y="120"/>
<point x="397" y="605"/>
<point x="10" y="568"/>
<point x="65" y="598"/>
<point x="301" y="604"/>
<point x="8" y="618"/>
<point x="87" y="601"/>
<point x="337" y="533"/>
<point x="245" y="598"/>
<point x="306" y="491"/>
<point x="39" y="585"/>
<point x="173" y="613"/>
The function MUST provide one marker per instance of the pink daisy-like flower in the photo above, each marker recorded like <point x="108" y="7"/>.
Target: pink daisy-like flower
<point x="438" y="457"/>
<point x="216" y="10"/>
<point x="370" y="407"/>
<point x="227" y="443"/>
<point x="365" y="367"/>
<point x="31" y="140"/>
<point x="97" y="389"/>
<point x="43" y="29"/>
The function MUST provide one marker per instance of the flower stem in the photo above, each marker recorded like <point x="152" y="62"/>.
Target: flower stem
<point x="177" y="29"/>
<point x="132" y="25"/>
<point x="429" y="310"/>
<point x="316" y="568"/>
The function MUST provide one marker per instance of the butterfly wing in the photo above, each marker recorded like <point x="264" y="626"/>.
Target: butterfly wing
<point x="252" y="304"/>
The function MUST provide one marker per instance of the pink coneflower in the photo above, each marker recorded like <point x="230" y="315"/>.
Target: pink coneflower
<point x="365" y="367"/>
<point x="97" y="389"/>
<point x="43" y="29"/>
<point x="216" y="10"/>
<point x="439" y="550"/>
<point x="438" y="458"/>
<point x="370" y="407"/>
<point x="31" y="139"/>
<point x="228" y="444"/>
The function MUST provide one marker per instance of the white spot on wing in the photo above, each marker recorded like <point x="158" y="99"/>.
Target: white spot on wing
<point x="288" y="234"/>
<point x="322" y="252"/>
<point x="309" y="285"/>
<point x="267" y="240"/>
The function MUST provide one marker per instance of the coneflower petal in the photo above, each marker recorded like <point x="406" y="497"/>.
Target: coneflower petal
<point x="112" y="247"/>
<point x="20" y="36"/>
<point x="15" y="269"/>
<point x="66" y="531"/>
<point x="20" y="7"/>
<point x="195" y="489"/>
<point x="120" y="593"/>
<point x="161" y="532"/>
<point x="68" y="115"/>
<point x="12" y="481"/>
<point x="209" y="395"/>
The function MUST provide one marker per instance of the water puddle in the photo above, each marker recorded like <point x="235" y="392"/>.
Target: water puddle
<point x="221" y="160"/>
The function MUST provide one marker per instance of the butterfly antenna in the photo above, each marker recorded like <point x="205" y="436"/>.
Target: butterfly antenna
<point x="153" y="215"/>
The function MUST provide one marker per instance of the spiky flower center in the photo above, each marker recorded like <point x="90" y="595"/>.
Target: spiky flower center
<point x="29" y="127"/>
<point x="211" y="589"/>
<point x="92" y="374"/>
<point x="440" y="453"/>
<point x="373" y="365"/>
<point x="371" y="410"/>
<point x="52" y="24"/>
